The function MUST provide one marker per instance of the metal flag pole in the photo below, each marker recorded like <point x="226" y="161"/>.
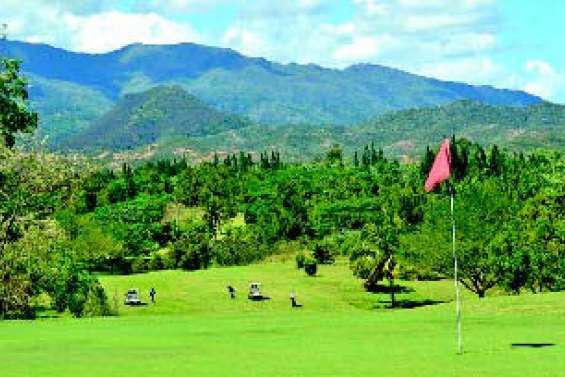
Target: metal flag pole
<point x="455" y="277"/>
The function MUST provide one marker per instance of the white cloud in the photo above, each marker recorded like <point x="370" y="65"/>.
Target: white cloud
<point x="432" y="22"/>
<point x="479" y="70"/>
<point x="362" y="48"/>
<point x="541" y="68"/>
<point x="175" y="6"/>
<point x="69" y="25"/>
<point x="246" y="41"/>
<point x="543" y="79"/>
<point x="111" y="30"/>
<point x="372" y="7"/>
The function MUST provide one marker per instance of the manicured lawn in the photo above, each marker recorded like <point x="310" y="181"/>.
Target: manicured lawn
<point x="194" y="329"/>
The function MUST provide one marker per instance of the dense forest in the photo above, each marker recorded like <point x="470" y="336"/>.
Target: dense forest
<point x="63" y="221"/>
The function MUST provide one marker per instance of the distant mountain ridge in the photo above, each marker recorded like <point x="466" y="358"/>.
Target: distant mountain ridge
<point x="261" y="90"/>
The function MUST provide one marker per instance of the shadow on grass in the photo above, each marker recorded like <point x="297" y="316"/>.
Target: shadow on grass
<point x="46" y="316"/>
<point x="532" y="345"/>
<point x="381" y="288"/>
<point x="258" y="298"/>
<point x="407" y="304"/>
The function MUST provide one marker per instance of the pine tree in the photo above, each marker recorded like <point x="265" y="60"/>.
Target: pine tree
<point x="234" y="161"/>
<point x="365" y="157"/>
<point x="374" y="158"/>
<point x="427" y="162"/>
<point x="480" y="159"/>
<point x="495" y="167"/>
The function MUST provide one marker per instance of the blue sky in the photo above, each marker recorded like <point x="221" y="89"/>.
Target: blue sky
<point x="506" y="43"/>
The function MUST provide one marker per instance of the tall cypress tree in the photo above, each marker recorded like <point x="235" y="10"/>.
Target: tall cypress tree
<point x="373" y="157"/>
<point x="365" y="157"/>
<point x="427" y="162"/>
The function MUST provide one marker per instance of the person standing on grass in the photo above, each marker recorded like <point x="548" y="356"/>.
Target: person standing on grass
<point x="293" y="298"/>
<point x="231" y="291"/>
<point x="152" y="295"/>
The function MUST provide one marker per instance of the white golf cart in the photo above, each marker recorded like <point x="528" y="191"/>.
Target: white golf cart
<point x="255" y="292"/>
<point x="132" y="297"/>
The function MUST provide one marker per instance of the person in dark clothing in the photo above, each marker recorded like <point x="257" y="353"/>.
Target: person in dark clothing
<point x="231" y="291"/>
<point x="152" y="293"/>
<point x="293" y="302"/>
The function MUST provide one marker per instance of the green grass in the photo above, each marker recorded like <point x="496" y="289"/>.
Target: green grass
<point x="194" y="329"/>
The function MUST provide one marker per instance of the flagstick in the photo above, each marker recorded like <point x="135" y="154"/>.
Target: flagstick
<point x="455" y="278"/>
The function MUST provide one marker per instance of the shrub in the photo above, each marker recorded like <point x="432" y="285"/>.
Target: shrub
<point x="139" y="265"/>
<point x="192" y="254"/>
<point x="76" y="303"/>
<point x="410" y="272"/>
<point x="156" y="262"/>
<point x="350" y="241"/>
<point x="310" y="266"/>
<point x="323" y="253"/>
<point x="363" y="266"/>
<point x="169" y="262"/>
<point x="240" y="246"/>
<point x="300" y="259"/>
<point x="96" y="303"/>
<point x="121" y="265"/>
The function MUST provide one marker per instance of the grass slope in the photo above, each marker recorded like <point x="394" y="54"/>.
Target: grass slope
<point x="194" y="329"/>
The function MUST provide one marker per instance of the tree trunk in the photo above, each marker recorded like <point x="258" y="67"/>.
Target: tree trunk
<point x="392" y="298"/>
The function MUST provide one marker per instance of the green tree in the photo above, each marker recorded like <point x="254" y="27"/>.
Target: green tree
<point x="374" y="259"/>
<point x="15" y="113"/>
<point x="334" y="156"/>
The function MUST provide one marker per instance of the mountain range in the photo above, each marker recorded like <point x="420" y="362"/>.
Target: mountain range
<point x="199" y="98"/>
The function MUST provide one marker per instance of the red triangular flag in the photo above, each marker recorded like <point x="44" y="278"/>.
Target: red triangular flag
<point x="441" y="169"/>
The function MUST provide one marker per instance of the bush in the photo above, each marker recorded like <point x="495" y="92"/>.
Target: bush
<point x="323" y="253"/>
<point x="192" y="254"/>
<point x="300" y="259"/>
<point x="363" y="266"/>
<point x="156" y="262"/>
<point x="310" y="266"/>
<point x="240" y="246"/>
<point x="410" y="272"/>
<point x="139" y="265"/>
<point x="350" y="241"/>
<point x="169" y="262"/>
<point x="96" y="303"/>
<point x="121" y="265"/>
<point x="76" y="303"/>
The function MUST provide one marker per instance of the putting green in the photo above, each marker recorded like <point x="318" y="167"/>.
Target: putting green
<point x="194" y="329"/>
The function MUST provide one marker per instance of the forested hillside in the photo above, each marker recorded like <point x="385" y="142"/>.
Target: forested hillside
<point x="159" y="114"/>
<point x="402" y="134"/>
